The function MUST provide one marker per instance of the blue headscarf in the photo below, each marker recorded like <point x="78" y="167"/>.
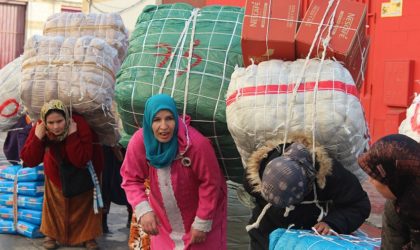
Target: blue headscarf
<point x="159" y="154"/>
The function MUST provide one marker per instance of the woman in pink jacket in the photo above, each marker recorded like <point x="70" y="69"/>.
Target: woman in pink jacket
<point x="186" y="207"/>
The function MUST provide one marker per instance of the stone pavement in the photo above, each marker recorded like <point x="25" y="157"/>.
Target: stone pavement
<point x="116" y="240"/>
<point x="374" y="223"/>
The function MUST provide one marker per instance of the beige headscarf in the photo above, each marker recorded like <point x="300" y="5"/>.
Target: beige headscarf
<point x="56" y="105"/>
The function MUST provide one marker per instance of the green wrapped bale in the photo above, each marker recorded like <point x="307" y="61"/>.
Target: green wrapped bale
<point x="189" y="54"/>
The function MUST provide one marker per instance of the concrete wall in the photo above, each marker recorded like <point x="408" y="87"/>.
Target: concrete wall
<point x="38" y="11"/>
<point x="128" y="9"/>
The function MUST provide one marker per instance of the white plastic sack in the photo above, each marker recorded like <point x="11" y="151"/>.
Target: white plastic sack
<point x="108" y="26"/>
<point x="411" y="125"/>
<point x="261" y="106"/>
<point x="11" y="107"/>
<point x="78" y="71"/>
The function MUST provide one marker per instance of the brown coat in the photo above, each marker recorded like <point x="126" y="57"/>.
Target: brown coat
<point x="70" y="221"/>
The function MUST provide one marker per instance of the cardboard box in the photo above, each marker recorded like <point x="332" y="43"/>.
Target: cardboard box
<point x="268" y="32"/>
<point x="237" y="3"/>
<point x="357" y="67"/>
<point x="348" y="43"/>
<point x="195" y="3"/>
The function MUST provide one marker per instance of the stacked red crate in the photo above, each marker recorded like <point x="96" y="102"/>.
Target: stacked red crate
<point x="273" y="30"/>
<point x="269" y="30"/>
<point x="349" y="42"/>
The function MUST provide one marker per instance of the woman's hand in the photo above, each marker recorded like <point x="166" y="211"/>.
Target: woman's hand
<point x="323" y="228"/>
<point x="72" y="127"/>
<point x="149" y="223"/>
<point x="40" y="130"/>
<point x="197" y="236"/>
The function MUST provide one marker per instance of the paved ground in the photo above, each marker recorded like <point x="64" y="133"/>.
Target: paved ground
<point x="374" y="222"/>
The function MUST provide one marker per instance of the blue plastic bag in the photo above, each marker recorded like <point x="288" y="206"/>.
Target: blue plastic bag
<point x="6" y="187"/>
<point x="30" y="188"/>
<point x="28" y="230"/>
<point x="6" y="200"/>
<point x="6" y="227"/>
<point x="31" y="174"/>
<point x="31" y="216"/>
<point x="29" y="202"/>
<point x="291" y="239"/>
<point x="6" y="213"/>
<point x="10" y="172"/>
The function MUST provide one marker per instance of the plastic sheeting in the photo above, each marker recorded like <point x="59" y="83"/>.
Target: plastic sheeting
<point x="11" y="106"/>
<point x="411" y="125"/>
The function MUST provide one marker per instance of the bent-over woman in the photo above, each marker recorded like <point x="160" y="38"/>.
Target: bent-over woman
<point x="186" y="208"/>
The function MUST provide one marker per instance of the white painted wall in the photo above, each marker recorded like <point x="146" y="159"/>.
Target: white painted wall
<point x="38" y="11"/>
<point x="128" y="9"/>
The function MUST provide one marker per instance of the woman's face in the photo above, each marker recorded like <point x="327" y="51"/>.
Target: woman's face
<point x="55" y="123"/>
<point x="382" y="189"/>
<point x="163" y="126"/>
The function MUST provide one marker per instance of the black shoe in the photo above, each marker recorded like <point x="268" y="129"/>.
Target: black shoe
<point x="130" y="215"/>
<point x="105" y="228"/>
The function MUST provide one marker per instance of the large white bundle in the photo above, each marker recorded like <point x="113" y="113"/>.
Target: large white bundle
<point x="11" y="107"/>
<point x="108" y="26"/>
<point x="411" y="125"/>
<point x="262" y="105"/>
<point x="78" y="71"/>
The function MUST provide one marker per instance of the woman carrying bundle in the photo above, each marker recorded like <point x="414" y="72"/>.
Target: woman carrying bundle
<point x="56" y="138"/>
<point x="186" y="208"/>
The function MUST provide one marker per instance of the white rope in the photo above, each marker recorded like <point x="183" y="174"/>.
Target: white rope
<point x="187" y="136"/>
<point x="256" y="224"/>
<point x="346" y="237"/>
<point x="221" y="88"/>
<point x="180" y="53"/>
<point x="158" y="49"/>
<point x="177" y="46"/>
<point x="287" y="210"/>
<point x="289" y="115"/>
<point x="13" y="129"/>
<point x="325" y="43"/>
<point x="315" y="201"/>
<point x="267" y="31"/>
<point x="113" y="7"/>
<point x="194" y="14"/>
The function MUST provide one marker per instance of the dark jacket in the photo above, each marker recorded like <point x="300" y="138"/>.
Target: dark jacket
<point x="78" y="148"/>
<point x="15" y="139"/>
<point x="338" y="191"/>
<point x="394" y="160"/>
